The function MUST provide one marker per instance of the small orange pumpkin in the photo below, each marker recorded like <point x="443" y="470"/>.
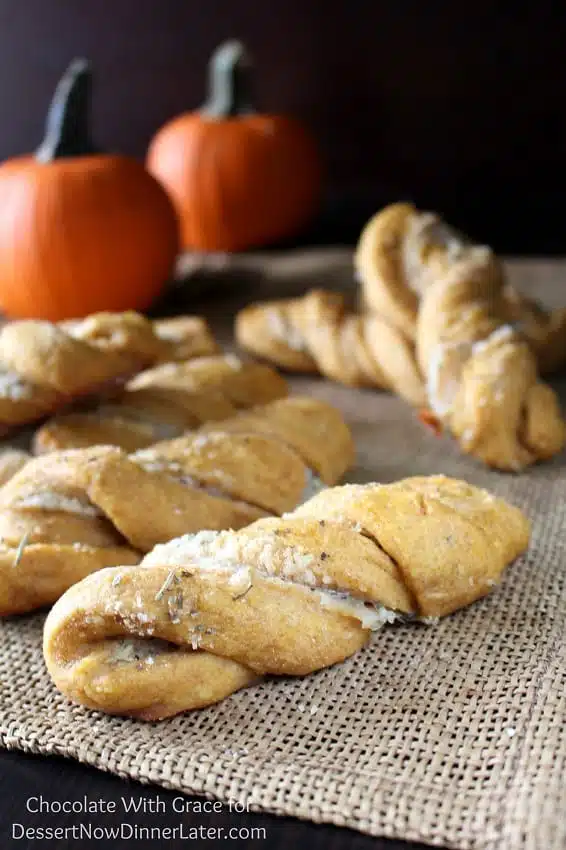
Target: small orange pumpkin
<point x="80" y="231"/>
<point x="239" y="179"/>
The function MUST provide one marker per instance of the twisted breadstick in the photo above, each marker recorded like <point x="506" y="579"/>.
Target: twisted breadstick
<point x="209" y="613"/>
<point x="164" y="402"/>
<point x="402" y="251"/>
<point x="313" y="429"/>
<point x="159" y="341"/>
<point x="482" y="381"/>
<point x="66" y="514"/>
<point x="315" y="333"/>
<point x="480" y="371"/>
<point x="43" y="366"/>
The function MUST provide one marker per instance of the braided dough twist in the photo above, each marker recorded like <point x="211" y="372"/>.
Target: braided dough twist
<point x="209" y="613"/>
<point x="402" y="251"/>
<point x="164" y="402"/>
<point x="482" y="380"/>
<point x="445" y="332"/>
<point x="480" y="370"/>
<point x="316" y="333"/>
<point x="67" y="514"/>
<point x="44" y="366"/>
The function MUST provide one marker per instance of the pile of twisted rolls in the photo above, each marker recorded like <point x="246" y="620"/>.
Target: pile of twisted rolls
<point x="440" y="326"/>
<point x="68" y="513"/>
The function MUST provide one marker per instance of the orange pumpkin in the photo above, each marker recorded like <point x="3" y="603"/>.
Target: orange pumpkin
<point x="239" y="179"/>
<point x="80" y="231"/>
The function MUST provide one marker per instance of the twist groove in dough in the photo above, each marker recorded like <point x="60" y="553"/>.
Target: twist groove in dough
<point x="45" y="366"/>
<point x="163" y="402"/>
<point x="207" y="614"/>
<point x="402" y="251"/>
<point x="477" y="341"/>
<point x="66" y="514"/>
<point x="482" y="378"/>
<point x="316" y="333"/>
<point x="443" y="329"/>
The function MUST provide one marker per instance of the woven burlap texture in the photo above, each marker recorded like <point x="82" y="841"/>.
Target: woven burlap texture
<point x="452" y="734"/>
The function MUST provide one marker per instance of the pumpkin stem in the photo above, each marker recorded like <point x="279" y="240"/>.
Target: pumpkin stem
<point x="66" y="128"/>
<point x="229" y="82"/>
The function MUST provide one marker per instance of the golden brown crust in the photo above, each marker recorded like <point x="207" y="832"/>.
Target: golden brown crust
<point x="313" y="428"/>
<point x="316" y="333"/>
<point x="477" y="341"/>
<point x="166" y="401"/>
<point x="401" y="257"/>
<point x="101" y="500"/>
<point x="81" y="430"/>
<point x="449" y="540"/>
<point x="482" y="379"/>
<point x="241" y="383"/>
<point x="184" y="337"/>
<point x="380" y="268"/>
<point x="158" y="341"/>
<point x="207" y="614"/>
<point x="45" y="366"/>
<point x="402" y="251"/>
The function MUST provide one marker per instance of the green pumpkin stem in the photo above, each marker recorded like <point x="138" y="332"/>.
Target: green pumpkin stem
<point x="229" y="82"/>
<point x="66" y="128"/>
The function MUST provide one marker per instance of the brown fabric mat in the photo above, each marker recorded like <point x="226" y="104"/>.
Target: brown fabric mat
<point x="452" y="734"/>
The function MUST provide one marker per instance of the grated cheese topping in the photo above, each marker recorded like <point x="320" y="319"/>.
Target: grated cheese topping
<point x="216" y="551"/>
<point x="233" y="362"/>
<point x="49" y="500"/>
<point x="442" y="387"/>
<point x="129" y="650"/>
<point x="13" y="387"/>
<point x="284" y="330"/>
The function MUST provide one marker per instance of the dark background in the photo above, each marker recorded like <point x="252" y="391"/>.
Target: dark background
<point x="459" y="106"/>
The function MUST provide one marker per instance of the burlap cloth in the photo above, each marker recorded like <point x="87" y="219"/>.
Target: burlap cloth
<point x="453" y="734"/>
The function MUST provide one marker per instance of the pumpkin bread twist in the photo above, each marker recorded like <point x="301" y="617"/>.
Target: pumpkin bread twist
<point x="316" y="333"/>
<point x="210" y="613"/>
<point x="475" y="346"/>
<point x="442" y="313"/>
<point x="45" y="366"/>
<point x="67" y="514"/>
<point x="481" y="373"/>
<point x="164" y="402"/>
<point x="402" y="251"/>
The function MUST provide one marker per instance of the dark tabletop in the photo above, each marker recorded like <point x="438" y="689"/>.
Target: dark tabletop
<point x="33" y="782"/>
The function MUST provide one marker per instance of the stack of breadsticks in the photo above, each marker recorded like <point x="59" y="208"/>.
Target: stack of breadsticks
<point x="44" y="367"/>
<point x="174" y="515"/>
<point x="69" y="513"/>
